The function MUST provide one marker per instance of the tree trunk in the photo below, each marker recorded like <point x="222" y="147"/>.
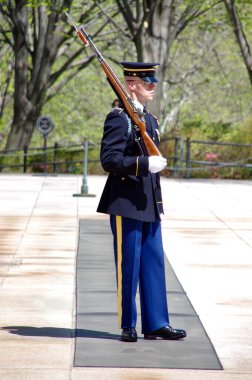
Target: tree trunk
<point x="21" y="133"/>
<point x="27" y="107"/>
<point x="153" y="41"/>
<point x="25" y="113"/>
<point x="154" y="26"/>
<point x="240" y="35"/>
<point x="39" y="33"/>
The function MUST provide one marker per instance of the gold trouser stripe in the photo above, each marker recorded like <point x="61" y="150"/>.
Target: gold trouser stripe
<point x="137" y="166"/>
<point x="119" y="266"/>
<point x="151" y="69"/>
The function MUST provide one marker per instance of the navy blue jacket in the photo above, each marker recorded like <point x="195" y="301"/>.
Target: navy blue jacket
<point x="131" y="190"/>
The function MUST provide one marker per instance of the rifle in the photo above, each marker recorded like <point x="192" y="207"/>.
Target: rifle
<point x="148" y="146"/>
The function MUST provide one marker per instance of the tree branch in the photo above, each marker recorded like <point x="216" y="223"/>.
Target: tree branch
<point x="69" y="64"/>
<point x="56" y="89"/>
<point x="111" y="20"/>
<point x="240" y="35"/>
<point x="193" y="14"/>
<point x="127" y="14"/>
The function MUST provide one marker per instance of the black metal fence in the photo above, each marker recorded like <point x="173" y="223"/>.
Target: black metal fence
<point x="218" y="159"/>
<point x="208" y="159"/>
<point x="48" y="159"/>
<point x="186" y="158"/>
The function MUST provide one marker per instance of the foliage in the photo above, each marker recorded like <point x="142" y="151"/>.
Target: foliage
<point x="208" y="82"/>
<point x="242" y="134"/>
<point x="207" y="94"/>
<point x="45" y="55"/>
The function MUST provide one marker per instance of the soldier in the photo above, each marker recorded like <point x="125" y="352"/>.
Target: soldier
<point x="132" y="197"/>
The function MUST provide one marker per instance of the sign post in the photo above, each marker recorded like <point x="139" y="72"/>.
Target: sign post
<point x="44" y="126"/>
<point x="84" y="188"/>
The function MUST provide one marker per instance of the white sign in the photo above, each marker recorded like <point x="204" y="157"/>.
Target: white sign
<point x="45" y="125"/>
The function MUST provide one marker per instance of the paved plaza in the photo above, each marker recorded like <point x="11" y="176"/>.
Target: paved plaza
<point x="207" y="236"/>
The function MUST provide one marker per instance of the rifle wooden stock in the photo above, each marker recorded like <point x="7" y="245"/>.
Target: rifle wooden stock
<point x="137" y="117"/>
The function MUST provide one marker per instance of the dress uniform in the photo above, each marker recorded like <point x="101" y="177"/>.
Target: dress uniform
<point x="132" y="197"/>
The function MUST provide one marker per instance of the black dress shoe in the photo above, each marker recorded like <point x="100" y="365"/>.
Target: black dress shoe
<point x="167" y="333"/>
<point x="129" y="335"/>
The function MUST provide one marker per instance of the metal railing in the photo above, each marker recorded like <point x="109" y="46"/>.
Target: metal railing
<point x="186" y="158"/>
<point x="236" y="156"/>
<point x="44" y="159"/>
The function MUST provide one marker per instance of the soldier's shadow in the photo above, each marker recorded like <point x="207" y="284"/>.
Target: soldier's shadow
<point x="58" y="332"/>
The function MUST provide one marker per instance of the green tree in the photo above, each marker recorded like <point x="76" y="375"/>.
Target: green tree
<point x="44" y="59"/>
<point x="186" y="38"/>
<point x="154" y="26"/>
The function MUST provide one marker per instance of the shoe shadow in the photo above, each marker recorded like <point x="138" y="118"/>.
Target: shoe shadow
<point x="58" y="332"/>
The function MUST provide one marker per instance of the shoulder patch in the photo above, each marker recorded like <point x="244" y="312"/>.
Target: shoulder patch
<point x="120" y="110"/>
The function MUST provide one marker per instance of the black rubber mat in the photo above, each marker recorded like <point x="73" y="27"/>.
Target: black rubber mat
<point x="97" y="334"/>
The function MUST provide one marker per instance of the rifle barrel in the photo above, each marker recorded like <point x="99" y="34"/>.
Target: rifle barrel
<point x="134" y="113"/>
<point x="72" y="20"/>
<point x="79" y="30"/>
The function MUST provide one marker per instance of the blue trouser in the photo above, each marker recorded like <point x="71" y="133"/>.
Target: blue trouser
<point x="139" y="257"/>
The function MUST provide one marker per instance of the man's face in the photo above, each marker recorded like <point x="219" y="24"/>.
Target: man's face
<point x="143" y="91"/>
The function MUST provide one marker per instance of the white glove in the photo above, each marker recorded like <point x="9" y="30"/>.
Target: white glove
<point x="156" y="164"/>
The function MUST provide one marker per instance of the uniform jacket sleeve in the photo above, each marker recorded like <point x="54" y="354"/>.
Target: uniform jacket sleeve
<point x="115" y="144"/>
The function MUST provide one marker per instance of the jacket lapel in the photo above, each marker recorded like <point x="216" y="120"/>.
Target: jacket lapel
<point x="149" y="125"/>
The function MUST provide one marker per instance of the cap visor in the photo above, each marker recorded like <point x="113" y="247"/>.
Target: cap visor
<point x="149" y="79"/>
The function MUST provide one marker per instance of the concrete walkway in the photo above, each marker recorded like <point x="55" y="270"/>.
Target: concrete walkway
<point x="207" y="233"/>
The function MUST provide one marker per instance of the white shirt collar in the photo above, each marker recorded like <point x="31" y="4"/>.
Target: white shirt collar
<point x="138" y="105"/>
